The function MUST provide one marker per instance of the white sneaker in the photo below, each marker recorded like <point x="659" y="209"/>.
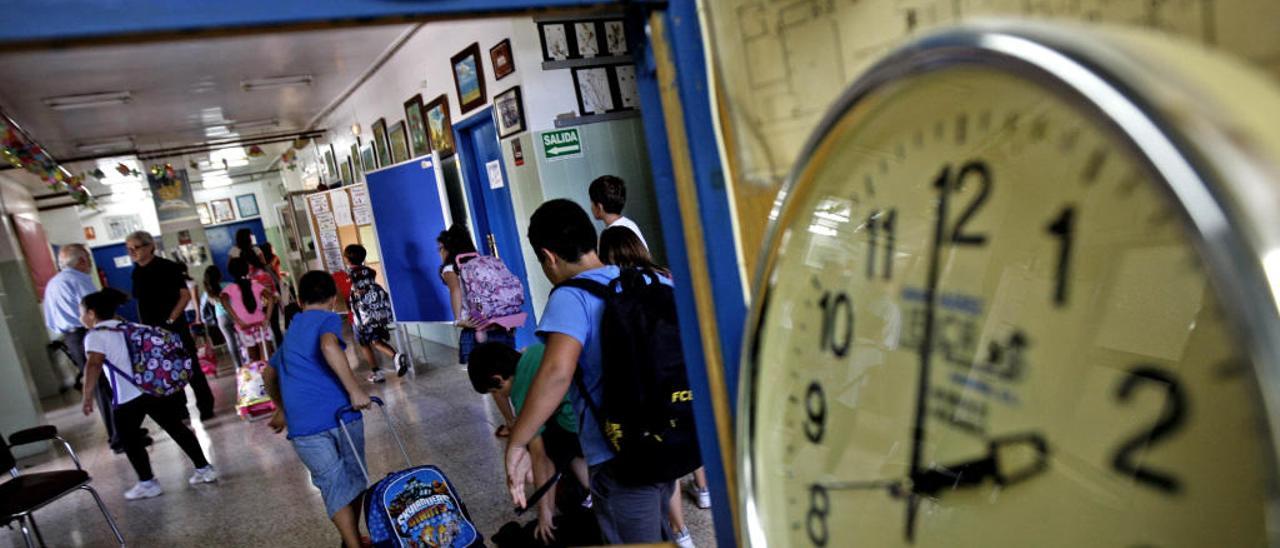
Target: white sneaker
<point x="377" y="377"/>
<point x="586" y="503"/>
<point x="701" y="496"/>
<point x="402" y="364"/>
<point x="203" y="475"/>
<point x="684" y="539"/>
<point x="144" y="490"/>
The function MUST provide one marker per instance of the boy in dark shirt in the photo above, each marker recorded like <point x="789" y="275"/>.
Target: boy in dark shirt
<point x="310" y="379"/>
<point x="371" y="314"/>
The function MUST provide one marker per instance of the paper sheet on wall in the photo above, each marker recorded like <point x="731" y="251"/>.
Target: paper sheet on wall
<point x="341" y="207"/>
<point x="360" y="206"/>
<point x="318" y="203"/>
<point x="370" y="242"/>
<point x="495" y="174"/>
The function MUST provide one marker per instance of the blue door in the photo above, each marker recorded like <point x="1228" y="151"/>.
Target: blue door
<point x="223" y="237"/>
<point x="118" y="277"/>
<point x="478" y="145"/>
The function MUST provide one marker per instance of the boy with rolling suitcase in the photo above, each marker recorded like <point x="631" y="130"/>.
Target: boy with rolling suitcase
<point x="310" y="381"/>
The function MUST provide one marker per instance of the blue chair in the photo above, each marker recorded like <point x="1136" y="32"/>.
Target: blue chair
<point x="25" y="493"/>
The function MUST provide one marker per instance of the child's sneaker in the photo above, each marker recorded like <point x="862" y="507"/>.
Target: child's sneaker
<point x="144" y="490"/>
<point x="402" y="364"/>
<point x="701" y="496"/>
<point x="203" y="475"/>
<point x="586" y="503"/>
<point x="684" y="539"/>
<point x="377" y="376"/>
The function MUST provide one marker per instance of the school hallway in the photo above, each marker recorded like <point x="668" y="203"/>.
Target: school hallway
<point x="264" y="496"/>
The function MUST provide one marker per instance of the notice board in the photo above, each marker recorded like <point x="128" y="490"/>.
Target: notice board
<point x="341" y="217"/>
<point x="409" y="213"/>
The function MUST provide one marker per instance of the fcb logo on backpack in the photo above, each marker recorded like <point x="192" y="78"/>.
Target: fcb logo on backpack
<point x="161" y="365"/>
<point x="491" y="290"/>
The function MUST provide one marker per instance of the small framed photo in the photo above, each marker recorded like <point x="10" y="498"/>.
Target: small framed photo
<point x="509" y="111"/>
<point x="399" y="143"/>
<point x="500" y="56"/>
<point x="222" y="212"/>
<point x="248" y="205"/>
<point x="367" y="159"/>
<point x="594" y="86"/>
<point x="468" y="78"/>
<point x="439" y="126"/>
<point x="555" y="41"/>
<point x="380" y="145"/>
<point x="417" y="126"/>
<point x="203" y="210"/>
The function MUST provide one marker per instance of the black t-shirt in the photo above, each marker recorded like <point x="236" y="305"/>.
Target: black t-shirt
<point x="157" y="287"/>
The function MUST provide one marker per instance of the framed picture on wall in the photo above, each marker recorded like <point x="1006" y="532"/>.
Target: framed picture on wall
<point x="380" y="145"/>
<point x="417" y="126"/>
<point x="203" y="210"/>
<point x="331" y="166"/>
<point x="439" y="126"/>
<point x="579" y="39"/>
<point x="468" y="78"/>
<point x="500" y="56"/>
<point x="356" y="170"/>
<point x="367" y="160"/>
<point x="399" y="143"/>
<point x="508" y="110"/>
<point x="248" y="205"/>
<point x="555" y="41"/>
<point x="347" y="174"/>
<point x="222" y="212"/>
<point x="609" y="88"/>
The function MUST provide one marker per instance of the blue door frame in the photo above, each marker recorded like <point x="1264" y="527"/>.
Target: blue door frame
<point x="477" y="141"/>
<point x="104" y="259"/>
<point x="91" y="19"/>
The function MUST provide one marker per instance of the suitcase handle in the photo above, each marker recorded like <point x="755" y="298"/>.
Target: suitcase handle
<point x="391" y="425"/>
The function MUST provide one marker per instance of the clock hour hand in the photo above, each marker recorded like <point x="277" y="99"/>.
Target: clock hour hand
<point x="1009" y="460"/>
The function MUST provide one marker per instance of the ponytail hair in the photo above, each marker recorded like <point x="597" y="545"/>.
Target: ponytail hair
<point x="104" y="303"/>
<point x="239" y="269"/>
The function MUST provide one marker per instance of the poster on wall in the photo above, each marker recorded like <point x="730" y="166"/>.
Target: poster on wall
<point x="360" y="208"/>
<point x="222" y="212"/>
<point x="171" y="193"/>
<point x="248" y="205"/>
<point x="341" y="208"/>
<point x="330" y="246"/>
<point x="119" y="226"/>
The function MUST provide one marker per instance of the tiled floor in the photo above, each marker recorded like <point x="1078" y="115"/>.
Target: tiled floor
<point x="265" y="497"/>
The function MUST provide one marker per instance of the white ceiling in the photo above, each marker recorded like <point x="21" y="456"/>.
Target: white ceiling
<point x="185" y="92"/>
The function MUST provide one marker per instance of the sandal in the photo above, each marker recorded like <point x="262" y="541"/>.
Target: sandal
<point x="502" y="431"/>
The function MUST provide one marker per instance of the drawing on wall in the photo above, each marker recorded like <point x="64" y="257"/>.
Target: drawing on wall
<point x="615" y="38"/>
<point x="595" y="94"/>
<point x="500" y="56"/>
<point x="171" y="192"/>
<point x="588" y="40"/>
<point x="247" y="204"/>
<point x="417" y="126"/>
<point x="468" y="78"/>
<point x="399" y="144"/>
<point x="439" y="127"/>
<point x="509" y="110"/>
<point x="120" y="226"/>
<point x="380" y="145"/>
<point x="202" y="209"/>
<point x="555" y="42"/>
<point x="222" y="212"/>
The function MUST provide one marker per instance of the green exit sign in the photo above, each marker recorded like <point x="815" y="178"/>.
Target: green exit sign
<point x="561" y="143"/>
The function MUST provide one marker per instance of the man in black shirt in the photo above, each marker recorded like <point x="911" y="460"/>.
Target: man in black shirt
<point x="160" y="287"/>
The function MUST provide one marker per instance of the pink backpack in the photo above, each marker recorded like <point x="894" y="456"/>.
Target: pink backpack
<point x="492" y="291"/>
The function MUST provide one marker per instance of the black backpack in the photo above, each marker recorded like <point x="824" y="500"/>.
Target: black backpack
<point x="646" y="415"/>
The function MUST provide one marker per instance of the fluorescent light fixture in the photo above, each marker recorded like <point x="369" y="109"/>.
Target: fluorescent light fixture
<point x="89" y="100"/>
<point x="255" y="124"/>
<point x="275" y="82"/>
<point x="212" y="180"/>
<point x="106" y="145"/>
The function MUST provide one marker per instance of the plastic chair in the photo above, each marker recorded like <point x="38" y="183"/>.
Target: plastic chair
<point x="25" y="493"/>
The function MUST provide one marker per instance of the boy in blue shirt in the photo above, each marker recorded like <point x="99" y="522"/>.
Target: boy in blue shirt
<point x="565" y="241"/>
<point x="309" y="379"/>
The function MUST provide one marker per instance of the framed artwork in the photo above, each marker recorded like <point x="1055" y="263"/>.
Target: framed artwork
<point x="347" y="174"/>
<point x="380" y="145"/>
<point x="587" y="38"/>
<point x="468" y="78"/>
<point x="203" y="210"/>
<point x="367" y="160"/>
<point x="615" y="38"/>
<point x="222" y="212"/>
<point x="330" y="163"/>
<point x="399" y="144"/>
<point x="417" y="126"/>
<point x="555" y="41"/>
<point x="91" y="234"/>
<point x="565" y="40"/>
<point x="610" y="88"/>
<point x="439" y="127"/>
<point x="509" y="111"/>
<point x="500" y="57"/>
<point x="248" y="205"/>
<point x="356" y="170"/>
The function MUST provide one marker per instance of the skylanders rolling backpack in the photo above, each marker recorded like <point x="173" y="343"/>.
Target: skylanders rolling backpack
<point x="492" y="291"/>
<point x="414" y="507"/>
<point x="160" y="364"/>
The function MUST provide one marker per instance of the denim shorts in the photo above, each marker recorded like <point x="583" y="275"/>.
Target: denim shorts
<point x="334" y="469"/>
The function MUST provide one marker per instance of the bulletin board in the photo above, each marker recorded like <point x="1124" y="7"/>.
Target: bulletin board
<point x="341" y="217"/>
<point x="409" y="211"/>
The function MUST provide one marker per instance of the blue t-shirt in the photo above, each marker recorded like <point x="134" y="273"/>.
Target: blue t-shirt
<point x="311" y="390"/>
<point x="577" y="313"/>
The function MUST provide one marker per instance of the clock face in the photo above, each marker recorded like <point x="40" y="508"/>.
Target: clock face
<point x="988" y="325"/>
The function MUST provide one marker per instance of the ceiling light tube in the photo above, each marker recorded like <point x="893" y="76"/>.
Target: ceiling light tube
<point x="255" y="124"/>
<point x="106" y="145"/>
<point x="275" y="82"/>
<point x="90" y="100"/>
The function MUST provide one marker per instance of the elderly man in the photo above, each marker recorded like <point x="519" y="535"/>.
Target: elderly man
<point x="62" y="316"/>
<point x="160" y="286"/>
